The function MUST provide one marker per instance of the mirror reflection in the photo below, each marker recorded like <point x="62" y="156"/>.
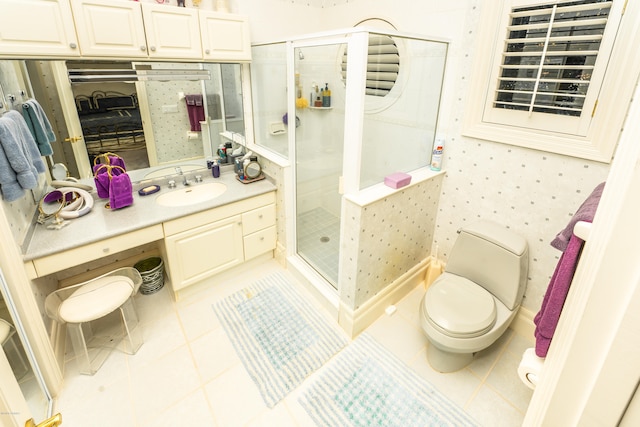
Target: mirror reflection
<point x="147" y="122"/>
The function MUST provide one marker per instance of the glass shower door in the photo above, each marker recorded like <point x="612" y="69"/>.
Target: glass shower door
<point x="319" y="141"/>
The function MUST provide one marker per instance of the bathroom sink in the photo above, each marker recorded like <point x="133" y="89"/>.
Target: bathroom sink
<point x="192" y="194"/>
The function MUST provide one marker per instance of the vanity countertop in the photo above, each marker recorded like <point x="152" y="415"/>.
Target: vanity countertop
<point x="102" y="223"/>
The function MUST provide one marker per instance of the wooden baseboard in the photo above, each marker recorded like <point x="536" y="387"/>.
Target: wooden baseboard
<point x="355" y="321"/>
<point x="523" y="324"/>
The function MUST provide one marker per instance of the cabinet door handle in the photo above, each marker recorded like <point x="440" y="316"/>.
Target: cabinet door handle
<point x="106" y="250"/>
<point x="73" y="45"/>
<point x="152" y="48"/>
<point x="262" y="239"/>
<point x="143" y="48"/>
<point x="260" y="216"/>
<point x="207" y="51"/>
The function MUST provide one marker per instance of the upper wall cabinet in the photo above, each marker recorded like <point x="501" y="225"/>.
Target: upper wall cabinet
<point x="225" y="37"/>
<point x="134" y="30"/>
<point x="37" y="28"/>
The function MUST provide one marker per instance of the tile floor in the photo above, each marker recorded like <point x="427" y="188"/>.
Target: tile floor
<point x="319" y="241"/>
<point x="187" y="373"/>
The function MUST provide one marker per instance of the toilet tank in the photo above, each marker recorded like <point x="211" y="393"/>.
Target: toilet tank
<point x="493" y="257"/>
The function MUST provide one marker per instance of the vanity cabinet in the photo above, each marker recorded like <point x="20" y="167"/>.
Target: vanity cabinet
<point x="49" y="264"/>
<point x="32" y="28"/>
<point x="225" y="37"/>
<point x="136" y="30"/>
<point x="200" y="245"/>
<point x="198" y="253"/>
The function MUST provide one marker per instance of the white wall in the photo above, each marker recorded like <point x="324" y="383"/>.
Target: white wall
<point x="532" y="192"/>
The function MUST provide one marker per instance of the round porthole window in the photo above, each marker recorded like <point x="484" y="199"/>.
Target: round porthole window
<point x="384" y="75"/>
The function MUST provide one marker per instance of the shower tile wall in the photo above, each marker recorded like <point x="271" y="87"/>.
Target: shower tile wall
<point x="276" y="173"/>
<point x="385" y="239"/>
<point x="532" y="192"/>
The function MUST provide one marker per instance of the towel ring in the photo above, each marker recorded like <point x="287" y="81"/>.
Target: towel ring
<point x="82" y="204"/>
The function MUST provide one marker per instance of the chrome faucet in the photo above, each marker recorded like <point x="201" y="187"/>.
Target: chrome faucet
<point x="185" y="180"/>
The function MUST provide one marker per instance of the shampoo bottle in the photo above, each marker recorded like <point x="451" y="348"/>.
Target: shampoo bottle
<point x="436" y="155"/>
<point x="326" y="96"/>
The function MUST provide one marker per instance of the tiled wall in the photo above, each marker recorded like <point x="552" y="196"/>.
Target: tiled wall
<point x="385" y="239"/>
<point x="534" y="193"/>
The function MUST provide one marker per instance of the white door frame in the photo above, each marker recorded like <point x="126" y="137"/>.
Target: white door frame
<point x="593" y="365"/>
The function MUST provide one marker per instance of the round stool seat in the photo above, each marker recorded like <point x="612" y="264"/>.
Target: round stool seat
<point x="96" y="299"/>
<point x="459" y="308"/>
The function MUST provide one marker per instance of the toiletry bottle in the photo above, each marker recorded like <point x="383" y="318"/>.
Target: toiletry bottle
<point x="436" y="156"/>
<point x="222" y="153"/>
<point x="215" y="169"/>
<point x="326" y="96"/>
<point x="318" y="101"/>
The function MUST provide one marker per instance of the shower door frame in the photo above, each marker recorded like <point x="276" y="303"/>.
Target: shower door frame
<point x="357" y="42"/>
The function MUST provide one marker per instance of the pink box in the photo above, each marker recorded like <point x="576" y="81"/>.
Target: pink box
<point x="397" y="180"/>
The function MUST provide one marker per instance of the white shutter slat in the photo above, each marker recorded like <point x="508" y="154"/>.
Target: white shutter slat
<point x="540" y="41"/>
<point x="541" y="11"/>
<point x="383" y="65"/>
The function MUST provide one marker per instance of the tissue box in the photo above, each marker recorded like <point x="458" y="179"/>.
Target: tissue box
<point x="397" y="180"/>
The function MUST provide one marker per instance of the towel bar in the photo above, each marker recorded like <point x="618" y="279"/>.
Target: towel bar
<point x="582" y="229"/>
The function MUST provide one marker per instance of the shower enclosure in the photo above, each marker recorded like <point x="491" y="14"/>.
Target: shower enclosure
<point x="384" y="98"/>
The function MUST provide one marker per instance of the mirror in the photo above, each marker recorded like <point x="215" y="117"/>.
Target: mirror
<point x="148" y="123"/>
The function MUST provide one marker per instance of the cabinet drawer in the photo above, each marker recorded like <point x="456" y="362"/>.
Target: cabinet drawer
<point x="258" y="219"/>
<point x="72" y="257"/>
<point x="260" y="242"/>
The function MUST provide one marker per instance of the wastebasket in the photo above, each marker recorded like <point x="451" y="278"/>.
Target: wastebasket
<point x="151" y="270"/>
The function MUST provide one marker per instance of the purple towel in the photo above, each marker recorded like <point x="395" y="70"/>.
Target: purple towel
<point x="195" y="110"/>
<point x="547" y="318"/>
<point x="585" y="212"/>
<point x="120" y="191"/>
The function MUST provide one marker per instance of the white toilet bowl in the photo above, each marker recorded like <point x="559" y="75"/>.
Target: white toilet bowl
<point x="477" y="297"/>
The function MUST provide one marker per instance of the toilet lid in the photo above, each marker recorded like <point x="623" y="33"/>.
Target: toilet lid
<point x="458" y="307"/>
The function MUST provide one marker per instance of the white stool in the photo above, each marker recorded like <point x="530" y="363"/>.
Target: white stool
<point x="81" y="304"/>
<point x="8" y="341"/>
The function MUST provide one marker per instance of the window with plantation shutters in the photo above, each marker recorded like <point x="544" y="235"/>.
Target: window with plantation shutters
<point x="383" y="65"/>
<point x="554" y="75"/>
<point x="549" y="56"/>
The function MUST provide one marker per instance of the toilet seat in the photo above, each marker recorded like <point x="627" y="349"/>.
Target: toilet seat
<point x="459" y="308"/>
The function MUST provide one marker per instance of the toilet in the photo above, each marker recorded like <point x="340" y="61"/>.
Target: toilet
<point x="471" y="304"/>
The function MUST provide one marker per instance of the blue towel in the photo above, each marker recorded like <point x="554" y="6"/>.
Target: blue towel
<point x="20" y="161"/>
<point x="39" y="126"/>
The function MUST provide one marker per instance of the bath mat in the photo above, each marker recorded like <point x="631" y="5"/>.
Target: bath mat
<point x="280" y="338"/>
<point x="365" y="385"/>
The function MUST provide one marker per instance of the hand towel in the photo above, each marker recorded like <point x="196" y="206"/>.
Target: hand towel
<point x="547" y="318"/>
<point x="20" y="161"/>
<point x="39" y="126"/>
<point x="120" y="191"/>
<point x="585" y="212"/>
<point x="195" y="110"/>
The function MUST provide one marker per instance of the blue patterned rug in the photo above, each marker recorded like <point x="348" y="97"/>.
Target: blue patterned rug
<point x="365" y="385"/>
<point x="280" y="338"/>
